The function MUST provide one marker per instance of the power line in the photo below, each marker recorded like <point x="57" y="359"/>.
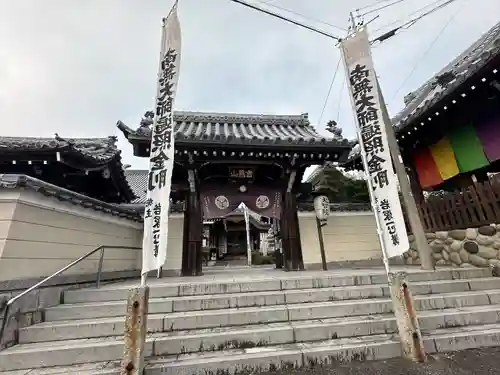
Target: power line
<point x="283" y="18"/>
<point x="436" y="38"/>
<point x="381" y="8"/>
<point x="372" y="4"/>
<point x="300" y="14"/>
<point x="410" y="23"/>
<point x="329" y="90"/>
<point x="341" y="95"/>
<point x="408" y="15"/>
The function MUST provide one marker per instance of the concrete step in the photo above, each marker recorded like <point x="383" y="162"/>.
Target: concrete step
<point x="98" y="368"/>
<point x="303" y="355"/>
<point x="253" y="299"/>
<point x="88" y="328"/>
<point x="245" y="283"/>
<point x="67" y="352"/>
<point x="306" y="355"/>
<point x="273" y="313"/>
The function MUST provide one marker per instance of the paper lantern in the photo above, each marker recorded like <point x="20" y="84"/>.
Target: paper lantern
<point x="322" y="207"/>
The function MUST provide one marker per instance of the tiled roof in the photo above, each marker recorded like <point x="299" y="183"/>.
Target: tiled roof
<point x="16" y="181"/>
<point x="446" y="81"/>
<point x="239" y="129"/>
<point x="138" y="182"/>
<point x="96" y="151"/>
<point x="463" y="67"/>
<point x="101" y="150"/>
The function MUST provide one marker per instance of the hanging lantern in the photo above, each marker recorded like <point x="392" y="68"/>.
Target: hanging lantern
<point x="322" y="207"/>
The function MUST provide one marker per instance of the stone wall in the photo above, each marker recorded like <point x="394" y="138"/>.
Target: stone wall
<point x="478" y="247"/>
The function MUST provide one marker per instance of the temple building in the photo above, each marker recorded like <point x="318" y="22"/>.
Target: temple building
<point x="449" y="130"/>
<point x="62" y="198"/>
<point x="223" y="160"/>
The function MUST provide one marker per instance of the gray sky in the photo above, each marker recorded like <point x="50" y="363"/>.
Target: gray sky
<point x="75" y="67"/>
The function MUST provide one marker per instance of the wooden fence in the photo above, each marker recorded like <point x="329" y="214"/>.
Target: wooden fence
<point x="477" y="205"/>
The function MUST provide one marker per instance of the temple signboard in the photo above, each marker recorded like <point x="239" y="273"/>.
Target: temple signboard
<point x="241" y="173"/>
<point x="364" y="91"/>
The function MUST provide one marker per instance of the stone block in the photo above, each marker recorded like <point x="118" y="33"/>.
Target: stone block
<point x="221" y="318"/>
<point x="92" y="328"/>
<point x="62" y="354"/>
<point x="253" y="360"/>
<point x="86" y="311"/>
<point x="338" y="309"/>
<point x="334" y="353"/>
<point x="217" y="339"/>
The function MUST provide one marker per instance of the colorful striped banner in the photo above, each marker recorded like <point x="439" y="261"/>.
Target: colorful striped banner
<point x="444" y="157"/>
<point x="465" y="149"/>
<point x="489" y="134"/>
<point x="428" y="174"/>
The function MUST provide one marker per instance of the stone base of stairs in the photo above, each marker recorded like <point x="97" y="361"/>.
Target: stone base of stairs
<point x="231" y="324"/>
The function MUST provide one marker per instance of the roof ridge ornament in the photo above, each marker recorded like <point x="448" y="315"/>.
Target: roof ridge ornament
<point x="333" y="128"/>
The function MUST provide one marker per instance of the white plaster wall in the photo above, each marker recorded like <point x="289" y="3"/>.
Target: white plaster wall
<point x="349" y="236"/>
<point x="39" y="235"/>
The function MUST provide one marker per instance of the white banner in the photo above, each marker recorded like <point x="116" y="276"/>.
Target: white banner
<point x="364" y="91"/>
<point x="161" y="161"/>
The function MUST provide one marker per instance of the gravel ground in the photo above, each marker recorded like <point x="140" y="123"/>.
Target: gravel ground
<point x="470" y="362"/>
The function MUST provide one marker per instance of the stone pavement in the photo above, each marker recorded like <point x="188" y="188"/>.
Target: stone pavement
<point x="468" y="362"/>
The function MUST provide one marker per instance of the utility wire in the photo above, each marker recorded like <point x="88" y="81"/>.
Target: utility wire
<point x="329" y="90"/>
<point x="408" y="15"/>
<point x="410" y="23"/>
<point x="381" y="8"/>
<point x="300" y="15"/>
<point x="341" y="96"/>
<point x="416" y="65"/>
<point x="283" y="18"/>
<point x="372" y="5"/>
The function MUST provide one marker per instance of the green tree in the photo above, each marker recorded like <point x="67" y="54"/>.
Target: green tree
<point x="340" y="188"/>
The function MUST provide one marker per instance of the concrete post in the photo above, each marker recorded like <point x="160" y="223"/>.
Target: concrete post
<point x="409" y="330"/>
<point x="135" y="331"/>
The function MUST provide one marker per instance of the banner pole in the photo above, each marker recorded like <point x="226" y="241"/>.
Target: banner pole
<point x="373" y="202"/>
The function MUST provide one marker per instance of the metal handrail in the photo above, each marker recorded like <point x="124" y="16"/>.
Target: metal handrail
<point x="40" y="283"/>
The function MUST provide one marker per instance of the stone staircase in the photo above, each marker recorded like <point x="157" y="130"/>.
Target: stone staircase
<point x="234" y="322"/>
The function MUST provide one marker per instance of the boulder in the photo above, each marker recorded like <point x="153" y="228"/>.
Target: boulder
<point x="471" y="247"/>
<point x="430" y="235"/>
<point x="441" y="235"/>
<point x="464" y="255"/>
<point x="437" y="256"/>
<point x="487" y="252"/>
<point x="456" y="259"/>
<point x="487" y="230"/>
<point x="484" y="240"/>
<point x="441" y="262"/>
<point x="471" y="233"/>
<point x="411" y="238"/>
<point x="456" y="246"/>
<point x="457" y="234"/>
<point x="466" y="265"/>
<point x="494" y="262"/>
<point x="478" y="261"/>
<point x="496" y="245"/>
<point x="446" y="255"/>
